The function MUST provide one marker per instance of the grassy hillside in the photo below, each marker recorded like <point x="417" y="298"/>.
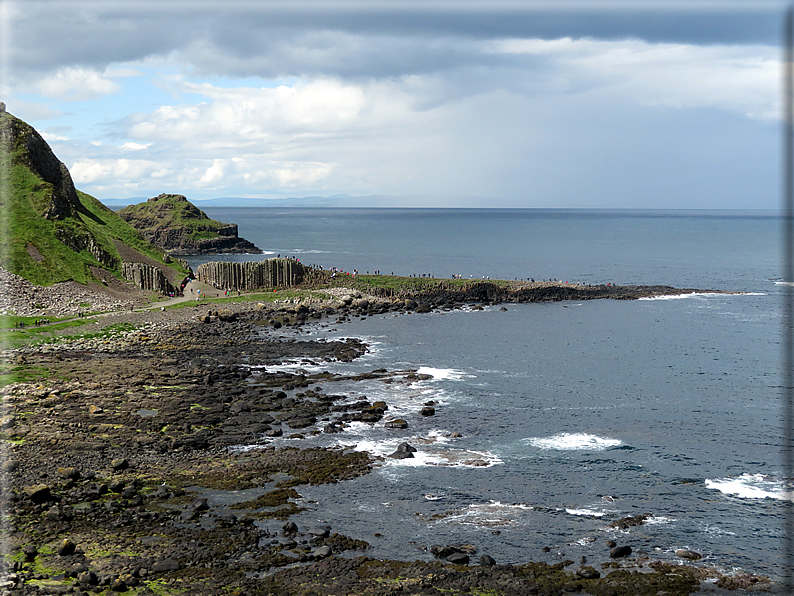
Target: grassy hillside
<point x="172" y="212"/>
<point x="47" y="250"/>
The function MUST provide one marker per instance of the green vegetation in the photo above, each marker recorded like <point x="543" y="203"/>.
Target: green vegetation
<point x="47" y="243"/>
<point x="172" y="212"/>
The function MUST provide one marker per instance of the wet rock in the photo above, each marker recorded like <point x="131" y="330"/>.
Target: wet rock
<point x="588" y="573"/>
<point x="321" y="552"/>
<point x="428" y="411"/>
<point x="688" y="554"/>
<point x="619" y="551"/>
<point x="398" y="423"/>
<point x="611" y="543"/>
<point x="404" y="450"/>
<point x="290" y="528"/>
<point x="319" y="532"/>
<point x="458" y="558"/>
<point x="423" y="308"/>
<point x="487" y="561"/>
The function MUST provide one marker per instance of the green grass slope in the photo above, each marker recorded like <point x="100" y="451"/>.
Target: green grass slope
<point x="48" y="250"/>
<point x="172" y="212"/>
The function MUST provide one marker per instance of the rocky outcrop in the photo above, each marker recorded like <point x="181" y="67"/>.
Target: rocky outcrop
<point x="250" y="275"/>
<point x="148" y="278"/>
<point x="172" y="222"/>
<point x="28" y="148"/>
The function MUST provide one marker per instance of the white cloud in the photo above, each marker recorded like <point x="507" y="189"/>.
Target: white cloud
<point x="135" y="146"/>
<point x="743" y="79"/>
<point x="76" y="84"/>
<point x="89" y="171"/>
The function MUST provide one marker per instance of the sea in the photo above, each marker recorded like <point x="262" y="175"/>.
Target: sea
<point x="555" y="420"/>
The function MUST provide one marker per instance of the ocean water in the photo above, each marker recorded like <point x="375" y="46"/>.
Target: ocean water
<point x="554" y="420"/>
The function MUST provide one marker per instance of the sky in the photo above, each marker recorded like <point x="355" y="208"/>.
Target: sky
<point x="447" y="103"/>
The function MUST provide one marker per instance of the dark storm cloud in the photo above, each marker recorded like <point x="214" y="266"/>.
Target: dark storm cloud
<point x="351" y="39"/>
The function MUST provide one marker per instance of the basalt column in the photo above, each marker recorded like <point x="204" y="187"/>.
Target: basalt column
<point x="252" y="275"/>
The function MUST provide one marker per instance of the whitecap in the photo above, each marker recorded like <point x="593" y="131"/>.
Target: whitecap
<point x="491" y="514"/>
<point x="442" y="374"/>
<point x="680" y="296"/>
<point x="432" y="450"/>
<point x="751" y="486"/>
<point x="573" y="442"/>
<point x="586" y="512"/>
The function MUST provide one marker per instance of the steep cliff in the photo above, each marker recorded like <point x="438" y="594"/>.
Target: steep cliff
<point x="55" y="233"/>
<point x="178" y="226"/>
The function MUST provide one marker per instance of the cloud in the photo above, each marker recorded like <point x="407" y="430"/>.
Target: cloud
<point x="135" y="146"/>
<point x="738" y="78"/>
<point x="76" y="84"/>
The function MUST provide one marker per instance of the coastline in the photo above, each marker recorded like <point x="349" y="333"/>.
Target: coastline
<point x="169" y="397"/>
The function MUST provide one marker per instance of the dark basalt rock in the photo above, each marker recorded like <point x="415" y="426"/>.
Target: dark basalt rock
<point x="619" y="551"/>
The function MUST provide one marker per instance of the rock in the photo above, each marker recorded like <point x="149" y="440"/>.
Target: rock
<point x="30" y="552"/>
<point x="458" y="559"/>
<point x="290" y="528"/>
<point x="611" y="543"/>
<point x="67" y="547"/>
<point x="88" y="578"/>
<point x="688" y="554"/>
<point x="317" y="531"/>
<point x="70" y="473"/>
<point x="396" y="423"/>
<point x="94" y="409"/>
<point x="321" y="552"/>
<point x="619" y="551"/>
<point x="166" y="565"/>
<point x="10" y="465"/>
<point x="487" y="561"/>
<point x="404" y="450"/>
<point x="428" y="411"/>
<point x="119" y="464"/>
<point x="118" y="585"/>
<point x="38" y="493"/>
<point x="588" y="573"/>
<point x="423" y="308"/>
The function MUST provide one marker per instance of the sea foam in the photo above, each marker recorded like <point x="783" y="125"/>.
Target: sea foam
<point x="573" y="442"/>
<point x="751" y="486"/>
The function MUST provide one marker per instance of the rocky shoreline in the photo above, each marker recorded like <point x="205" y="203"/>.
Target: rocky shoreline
<point x="119" y="473"/>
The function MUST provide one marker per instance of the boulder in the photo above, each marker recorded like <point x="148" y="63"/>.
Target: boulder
<point x="66" y="547"/>
<point x="396" y="423"/>
<point x="38" y="493"/>
<point x="166" y="565"/>
<point x="428" y="411"/>
<point x="619" y="551"/>
<point x="458" y="559"/>
<point x="688" y="554"/>
<point x="487" y="561"/>
<point x="321" y="552"/>
<point x="588" y="573"/>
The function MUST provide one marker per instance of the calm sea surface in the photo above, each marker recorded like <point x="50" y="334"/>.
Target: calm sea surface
<point x="571" y="415"/>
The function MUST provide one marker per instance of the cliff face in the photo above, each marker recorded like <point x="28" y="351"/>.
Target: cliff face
<point x="176" y="225"/>
<point x="28" y="149"/>
<point x="56" y="233"/>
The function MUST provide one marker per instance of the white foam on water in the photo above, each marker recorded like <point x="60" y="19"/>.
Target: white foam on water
<point x="573" y="442"/>
<point x="658" y="520"/>
<point x="587" y="512"/>
<point x="491" y="514"/>
<point x="442" y="374"/>
<point x="681" y="296"/>
<point x="431" y="450"/>
<point x="751" y="486"/>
